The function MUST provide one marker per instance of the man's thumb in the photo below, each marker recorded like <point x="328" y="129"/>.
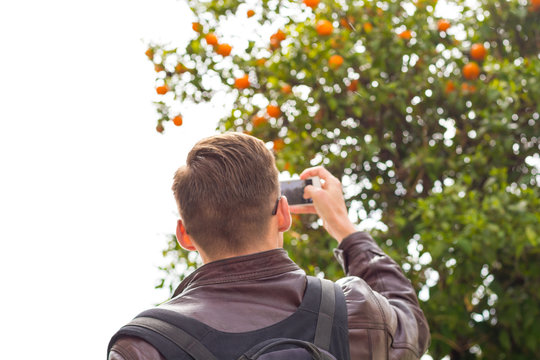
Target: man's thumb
<point x="311" y="192"/>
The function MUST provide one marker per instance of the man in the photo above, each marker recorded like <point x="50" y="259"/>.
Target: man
<point x="233" y="215"/>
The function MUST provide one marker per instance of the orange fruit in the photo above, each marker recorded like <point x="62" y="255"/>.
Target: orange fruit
<point x="258" y="120"/>
<point x="196" y="27"/>
<point x="467" y="88"/>
<point x="280" y="35"/>
<point x="276" y="39"/>
<point x="250" y="13"/>
<point x="211" y="39"/>
<point x="368" y="27"/>
<point x="353" y="86"/>
<point x="471" y="71"/>
<point x="287" y="167"/>
<point x="160" y="128"/>
<point x="260" y="62"/>
<point x="405" y="35"/>
<point x="180" y="68"/>
<point x="286" y="89"/>
<point x="443" y="25"/>
<point x="478" y="52"/>
<point x="177" y="120"/>
<point x="150" y="53"/>
<point x="162" y="90"/>
<point x="273" y="110"/>
<point x="242" y="82"/>
<point x="279" y="144"/>
<point x="312" y="3"/>
<point x="274" y="42"/>
<point x="324" y="27"/>
<point x="535" y="5"/>
<point x="345" y="22"/>
<point x="224" y="49"/>
<point x="335" y="61"/>
<point x="449" y="87"/>
<point x="159" y="67"/>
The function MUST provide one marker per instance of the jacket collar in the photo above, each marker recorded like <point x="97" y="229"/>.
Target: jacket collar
<point x="246" y="267"/>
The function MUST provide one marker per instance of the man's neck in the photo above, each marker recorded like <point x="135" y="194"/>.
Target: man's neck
<point x="263" y="246"/>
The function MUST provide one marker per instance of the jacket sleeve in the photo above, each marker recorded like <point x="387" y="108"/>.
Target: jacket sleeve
<point x="385" y="319"/>
<point x="132" y="348"/>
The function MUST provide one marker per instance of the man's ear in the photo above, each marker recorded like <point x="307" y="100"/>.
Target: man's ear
<point x="284" y="215"/>
<point x="183" y="238"/>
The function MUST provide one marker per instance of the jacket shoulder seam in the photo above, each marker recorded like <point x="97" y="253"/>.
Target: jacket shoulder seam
<point x="408" y="346"/>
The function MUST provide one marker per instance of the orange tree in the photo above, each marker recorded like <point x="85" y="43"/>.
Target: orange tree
<point x="430" y="116"/>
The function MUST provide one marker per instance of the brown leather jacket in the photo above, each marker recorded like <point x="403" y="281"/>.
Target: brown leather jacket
<point x="254" y="291"/>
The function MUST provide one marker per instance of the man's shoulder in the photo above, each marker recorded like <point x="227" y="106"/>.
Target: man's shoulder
<point x="365" y="307"/>
<point x="133" y="348"/>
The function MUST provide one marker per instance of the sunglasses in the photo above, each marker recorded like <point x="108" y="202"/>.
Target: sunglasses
<point x="274" y="211"/>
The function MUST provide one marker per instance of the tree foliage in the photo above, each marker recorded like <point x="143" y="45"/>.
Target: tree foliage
<point x="428" y="112"/>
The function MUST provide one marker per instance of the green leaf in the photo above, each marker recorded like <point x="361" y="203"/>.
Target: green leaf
<point x="504" y="339"/>
<point x="531" y="235"/>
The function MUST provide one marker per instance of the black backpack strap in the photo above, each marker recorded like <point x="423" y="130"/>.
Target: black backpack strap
<point x="255" y="352"/>
<point x="325" y="321"/>
<point x="182" y="339"/>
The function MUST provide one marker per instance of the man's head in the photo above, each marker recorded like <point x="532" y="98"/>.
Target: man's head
<point x="226" y="192"/>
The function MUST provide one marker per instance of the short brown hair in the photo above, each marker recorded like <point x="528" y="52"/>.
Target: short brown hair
<point x="226" y="191"/>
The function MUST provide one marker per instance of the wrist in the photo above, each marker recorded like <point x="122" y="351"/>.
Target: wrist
<point x="344" y="231"/>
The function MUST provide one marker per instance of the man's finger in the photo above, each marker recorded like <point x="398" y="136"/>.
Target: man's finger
<point x="302" y="209"/>
<point x="322" y="173"/>
<point x="312" y="192"/>
<point x="315" y="171"/>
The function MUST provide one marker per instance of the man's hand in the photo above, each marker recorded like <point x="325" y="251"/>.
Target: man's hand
<point x="328" y="203"/>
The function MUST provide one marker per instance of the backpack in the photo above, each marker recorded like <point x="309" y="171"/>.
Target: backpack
<point x="316" y="330"/>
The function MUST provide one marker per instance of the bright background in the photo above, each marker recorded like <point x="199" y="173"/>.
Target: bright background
<point x="85" y="198"/>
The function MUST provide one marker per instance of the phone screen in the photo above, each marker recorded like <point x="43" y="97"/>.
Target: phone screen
<point x="294" y="191"/>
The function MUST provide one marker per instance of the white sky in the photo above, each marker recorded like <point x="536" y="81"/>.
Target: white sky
<point x="85" y="199"/>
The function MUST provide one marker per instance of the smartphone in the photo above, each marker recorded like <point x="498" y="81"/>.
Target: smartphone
<point x="294" y="190"/>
